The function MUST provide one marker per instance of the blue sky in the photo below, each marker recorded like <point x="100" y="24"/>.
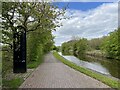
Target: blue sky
<point x="89" y="20"/>
<point x="84" y="6"/>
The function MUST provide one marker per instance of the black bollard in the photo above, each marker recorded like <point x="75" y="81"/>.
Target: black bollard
<point x="19" y="51"/>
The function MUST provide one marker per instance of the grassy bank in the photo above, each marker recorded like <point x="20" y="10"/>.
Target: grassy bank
<point x="110" y="82"/>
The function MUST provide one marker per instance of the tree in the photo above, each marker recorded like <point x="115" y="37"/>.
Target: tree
<point x="95" y="43"/>
<point x="31" y="16"/>
<point x="75" y="47"/>
<point x="111" y="45"/>
<point x="38" y="19"/>
<point x="80" y="47"/>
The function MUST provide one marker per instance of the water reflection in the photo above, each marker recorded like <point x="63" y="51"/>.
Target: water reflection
<point x="107" y="67"/>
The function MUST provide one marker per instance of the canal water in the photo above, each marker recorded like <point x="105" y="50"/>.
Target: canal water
<point x="104" y="66"/>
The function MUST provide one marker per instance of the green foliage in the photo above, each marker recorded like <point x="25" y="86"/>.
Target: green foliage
<point x="80" y="47"/>
<point x="38" y="19"/>
<point x="38" y="44"/>
<point x="94" y="44"/>
<point x="57" y="48"/>
<point x="33" y="62"/>
<point x="31" y="16"/>
<point x="67" y="47"/>
<point x="107" y="45"/>
<point x="14" y="83"/>
<point x="109" y="81"/>
<point x="76" y="47"/>
<point x="6" y="62"/>
<point x="119" y="43"/>
<point x="111" y="45"/>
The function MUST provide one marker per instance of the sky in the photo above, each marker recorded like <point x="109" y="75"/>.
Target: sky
<point x="87" y="20"/>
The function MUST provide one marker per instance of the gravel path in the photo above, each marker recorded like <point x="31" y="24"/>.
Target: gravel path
<point x="54" y="74"/>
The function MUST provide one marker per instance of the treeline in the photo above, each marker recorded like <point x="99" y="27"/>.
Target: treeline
<point x="75" y="47"/>
<point x="38" y="19"/>
<point x="107" y="45"/>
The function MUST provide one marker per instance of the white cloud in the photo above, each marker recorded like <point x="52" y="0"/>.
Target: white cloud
<point x="89" y="24"/>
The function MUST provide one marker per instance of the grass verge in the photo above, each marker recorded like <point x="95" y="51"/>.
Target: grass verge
<point x="14" y="83"/>
<point x="108" y="81"/>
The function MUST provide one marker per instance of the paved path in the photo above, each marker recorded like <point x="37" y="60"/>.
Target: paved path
<point x="54" y="74"/>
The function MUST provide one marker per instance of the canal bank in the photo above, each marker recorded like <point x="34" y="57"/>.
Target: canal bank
<point x="109" y="81"/>
<point x="108" y="67"/>
<point x="112" y="67"/>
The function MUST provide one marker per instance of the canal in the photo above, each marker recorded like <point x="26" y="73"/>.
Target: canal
<point x="104" y="66"/>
